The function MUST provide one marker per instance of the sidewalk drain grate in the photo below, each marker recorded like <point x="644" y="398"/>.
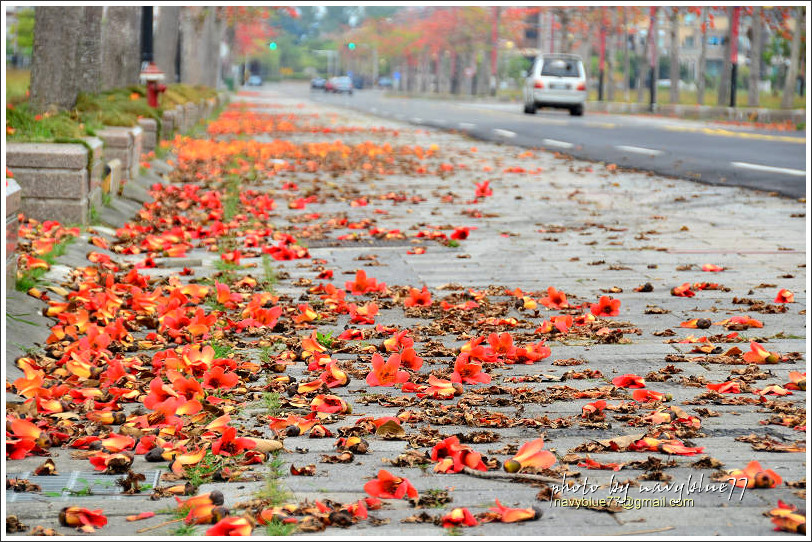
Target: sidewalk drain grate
<point x="73" y="485"/>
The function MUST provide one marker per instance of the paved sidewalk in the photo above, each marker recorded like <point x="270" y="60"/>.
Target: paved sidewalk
<point x="586" y="229"/>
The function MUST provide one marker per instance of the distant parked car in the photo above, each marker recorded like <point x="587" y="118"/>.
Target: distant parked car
<point x="556" y="80"/>
<point x="341" y="84"/>
<point x="329" y="85"/>
<point x="317" y="83"/>
<point x="385" y="82"/>
<point x="254" y="81"/>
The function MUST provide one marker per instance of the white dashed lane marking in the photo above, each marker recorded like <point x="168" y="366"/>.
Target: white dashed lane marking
<point x="638" y="150"/>
<point x="759" y="167"/>
<point x="557" y="143"/>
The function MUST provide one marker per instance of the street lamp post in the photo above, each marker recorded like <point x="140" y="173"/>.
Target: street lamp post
<point x="150" y="74"/>
<point x="653" y="58"/>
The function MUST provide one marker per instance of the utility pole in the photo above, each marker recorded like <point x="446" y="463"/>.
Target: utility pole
<point x="734" y="53"/>
<point x="652" y="43"/>
<point x="602" y="57"/>
<point x="540" y="32"/>
<point x="494" y="46"/>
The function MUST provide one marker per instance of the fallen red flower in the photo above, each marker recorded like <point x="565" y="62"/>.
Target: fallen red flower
<point x="386" y="373"/>
<point x="530" y="454"/>
<point x="231" y="526"/>
<point x="458" y="517"/>
<point x="513" y="515"/>
<point x="606" y="306"/>
<point x="753" y="476"/>
<point x="388" y="486"/>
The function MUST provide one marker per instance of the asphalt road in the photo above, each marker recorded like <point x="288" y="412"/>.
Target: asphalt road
<point x="713" y="153"/>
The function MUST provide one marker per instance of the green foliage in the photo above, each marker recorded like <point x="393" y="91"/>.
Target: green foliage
<point x="17" y="82"/>
<point x="272" y="402"/>
<point x="117" y="107"/>
<point x="94" y="215"/>
<point x="28" y="126"/>
<point x="23" y="30"/>
<point x="269" y="271"/>
<point x="276" y="528"/>
<point x="183" y="530"/>
<point x="31" y="277"/>
<point x="221" y="350"/>
<point x="274" y="491"/>
<point x="325" y="339"/>
<point x="201" y="473"/>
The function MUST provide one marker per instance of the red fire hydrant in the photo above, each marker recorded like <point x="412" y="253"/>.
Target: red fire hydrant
<point x="152" y="76"/>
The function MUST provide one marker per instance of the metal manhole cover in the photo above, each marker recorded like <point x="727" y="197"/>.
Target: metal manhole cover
<point x="75" y="485"/>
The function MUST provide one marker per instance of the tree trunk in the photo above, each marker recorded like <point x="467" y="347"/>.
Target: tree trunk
<point x="642" y="70"/>
<point x="121" y="47"/>
<point x="755" y="59"/>
<point x="199" y="63"/>
<point x="610" y="68"/>
<point x="794" y="57"/>
<point x="627" y="64"/>
<point x="723" y="98"/>
<point x="703" y="55"/>
<point x="89" y="52"/>
<point x="674" y="55"/>
<point x="165" y="42"/>
<point x="53" y="64"/>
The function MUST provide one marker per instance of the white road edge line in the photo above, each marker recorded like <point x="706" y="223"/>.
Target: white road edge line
<point x="556" y="143"/>
<point x="467" y="126"/>
<point x="759" y="167"/>
<point x="638" y="150"/>
<point x="416" y="120"/>
<point x="504" y="133"/>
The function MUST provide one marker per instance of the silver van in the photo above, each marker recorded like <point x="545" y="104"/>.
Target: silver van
<point x="556" y="80"/>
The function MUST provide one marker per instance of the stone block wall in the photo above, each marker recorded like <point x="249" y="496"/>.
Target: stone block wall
<point x="13" y="204"/>
<point x="54" y="179"/>
<point x="150" y="136"/>
<point x="169" y="123"/>
<point x="112" y="180"/>
<point x="95" y="170"/>
<point x="125" y="144"/>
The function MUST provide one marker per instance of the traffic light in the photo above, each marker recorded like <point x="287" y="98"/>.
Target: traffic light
<point x="272" y="46"/>
<point x="351" y="46"/>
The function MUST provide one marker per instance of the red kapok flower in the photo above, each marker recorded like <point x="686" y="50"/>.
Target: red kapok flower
<point x="231" y="526"/>
<point x="753" y="476"/>
<point x="229" y="444"/>
<point x="554" y="299"/>
<point x="512" y="515"/>
<point x="453" y="456"/>
<point x="629" y="381"/>
<point x="386" y="373"/>
<point x="759" y="354"/>
<point x="468" y="372"/>
<point x="645" y="396"/>
<point x="784" y="296"/>
<point x="216" y="378"/>
<point x="606" y="306"/>
<point x="459" y="516"/>
<point x="389" y="486"/>
<point x="418" y="298"/>
<point x="82" y="518"/>
<point x="530" y="454"/>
